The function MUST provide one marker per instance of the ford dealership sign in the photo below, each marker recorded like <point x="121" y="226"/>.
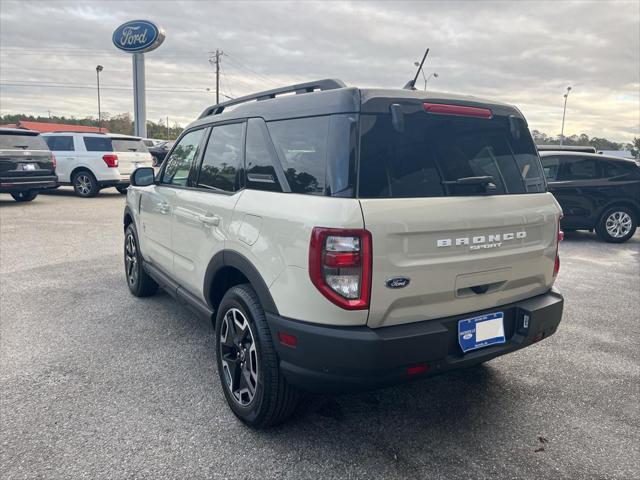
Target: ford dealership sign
<point x="138" y="36"/>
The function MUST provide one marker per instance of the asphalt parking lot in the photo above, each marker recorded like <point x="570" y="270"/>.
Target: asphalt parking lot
<point x="95" y="383"/>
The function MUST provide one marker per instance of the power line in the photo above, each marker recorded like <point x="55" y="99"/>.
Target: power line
<point x="92" y="87"/>
<point x="238" y="63"/>
<point x="226" y="80"/>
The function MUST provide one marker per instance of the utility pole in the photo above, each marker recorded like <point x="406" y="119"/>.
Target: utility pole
<point x="167" y="127"/>
<point x="99" y="68"/>
<point x="564" y="111"/>
<point x="216" y="59"/>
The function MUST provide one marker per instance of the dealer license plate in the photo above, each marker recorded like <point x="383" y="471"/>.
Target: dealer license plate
<point x="481" y="331"/>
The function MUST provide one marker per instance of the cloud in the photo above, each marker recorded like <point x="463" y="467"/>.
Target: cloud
<point x="525" y="53"/>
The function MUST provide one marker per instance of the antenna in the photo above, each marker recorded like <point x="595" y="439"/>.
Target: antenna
<point x="411" y="84"/>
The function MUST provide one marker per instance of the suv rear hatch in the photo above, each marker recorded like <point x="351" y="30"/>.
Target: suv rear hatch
<point x="24" y="154"/>
<point x="132" y="153"/>
<point x="456" y="203"/>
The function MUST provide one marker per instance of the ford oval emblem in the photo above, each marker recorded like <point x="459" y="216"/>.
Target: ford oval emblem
<point x="138" y="36"/>
<point x="397" y="282"/>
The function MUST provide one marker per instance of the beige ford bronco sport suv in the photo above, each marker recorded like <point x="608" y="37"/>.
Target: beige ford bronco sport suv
<point x="345" y="239"/>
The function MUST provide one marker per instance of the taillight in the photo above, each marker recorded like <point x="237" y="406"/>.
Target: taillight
<point x="458" y="110"/>
<point x="556" y="266"/>
<point x="110" y="160"/>
<point x="54" y="164"/>
<point x="340" y="265"/>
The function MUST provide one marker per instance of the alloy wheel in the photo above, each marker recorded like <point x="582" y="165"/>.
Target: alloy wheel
<point x="239" y="357"/>
<point x="131" y="259"/>
<point x="83" y="184"/>
<point x="618" y="224"/>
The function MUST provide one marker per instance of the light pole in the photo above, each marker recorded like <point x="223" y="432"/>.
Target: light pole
<point x="99" y="68"/>
<point x="426" y="79"/>
<point x="564" y="112"/>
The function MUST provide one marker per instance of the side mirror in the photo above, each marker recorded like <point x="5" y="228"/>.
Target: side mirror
<point x="143" y="177"/>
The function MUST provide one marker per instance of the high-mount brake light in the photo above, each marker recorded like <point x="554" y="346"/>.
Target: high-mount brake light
<point x="110" y="160"/>
<point x="458" y="110"/>
<point x="340" y="265"/>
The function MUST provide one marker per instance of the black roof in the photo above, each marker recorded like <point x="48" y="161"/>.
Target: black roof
<point x="597" y="156"/>
<point x="330" y="96"/>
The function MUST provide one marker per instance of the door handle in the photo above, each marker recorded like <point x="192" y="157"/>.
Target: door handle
<point x="210" y="220"/>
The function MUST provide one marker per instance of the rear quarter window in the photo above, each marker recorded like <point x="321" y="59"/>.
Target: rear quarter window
<point x="301" y="145"/>
<point x="128" y="145"/>
<point x="98" y="144"/>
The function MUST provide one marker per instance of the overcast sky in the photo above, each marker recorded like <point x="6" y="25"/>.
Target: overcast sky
<point x="525" y="53"/>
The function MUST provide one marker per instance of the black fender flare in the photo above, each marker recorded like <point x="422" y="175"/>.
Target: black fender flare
<point x="127" y="211"/>
<point x="231" y="258"/>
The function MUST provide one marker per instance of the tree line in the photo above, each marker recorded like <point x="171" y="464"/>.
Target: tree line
<point x="541" y="138"/>
<point x="121" y="123"/>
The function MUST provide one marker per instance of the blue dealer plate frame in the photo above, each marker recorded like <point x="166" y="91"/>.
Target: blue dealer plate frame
<point x="468" y="330"/>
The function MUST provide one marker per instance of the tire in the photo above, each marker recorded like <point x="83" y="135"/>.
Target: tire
<point x="122" y="189"/>
<point x="617" y="224"/>
<point x="85" y="184"/>
<point x="138" y="281"/>
<point x="25" y="196"/>
<point x="249" y="361"/>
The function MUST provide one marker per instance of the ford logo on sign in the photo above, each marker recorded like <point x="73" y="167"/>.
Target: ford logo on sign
<point x="138" y="36"/>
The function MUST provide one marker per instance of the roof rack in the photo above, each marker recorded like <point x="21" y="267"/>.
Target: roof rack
<point x="566" y="148"/>
<point x="325" y="84"/>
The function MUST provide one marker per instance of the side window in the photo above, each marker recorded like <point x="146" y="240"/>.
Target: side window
<point x="222" y="162"/>
<point x="614" y="169"/>
<point x="176" y="171"/>
<point x="576" y="168"/>
<point x="98" y="144"/>
<point x="60" y="143"/>
<point x="301" y="144"/>
<point x="551" y="166"/>
<point x="261" y="173"/>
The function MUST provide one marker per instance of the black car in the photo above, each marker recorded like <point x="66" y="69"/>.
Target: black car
<point x="27" y="166"/>
<point x="159" y="152"/>
<point x="596" y="192"/>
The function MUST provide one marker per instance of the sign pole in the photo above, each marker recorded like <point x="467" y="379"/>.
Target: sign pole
<point x="139" y="97"/>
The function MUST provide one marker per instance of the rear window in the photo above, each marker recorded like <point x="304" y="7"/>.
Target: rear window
<point x="22" y="142"/>
<point x="430" y="155"/>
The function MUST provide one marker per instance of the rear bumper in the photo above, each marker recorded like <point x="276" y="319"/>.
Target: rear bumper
<point x="340" y="359"/>
<point x="21" y="184"/>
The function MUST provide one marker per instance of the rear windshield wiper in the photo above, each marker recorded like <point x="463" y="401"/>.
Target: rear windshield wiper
<point x="484" y="180"/>
<point x="24" y="147"/>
